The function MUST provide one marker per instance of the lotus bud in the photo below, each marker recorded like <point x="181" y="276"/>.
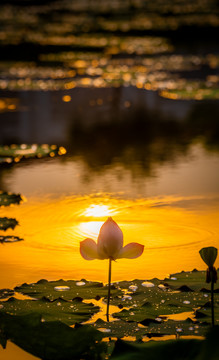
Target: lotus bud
<point x="208" y="255"/>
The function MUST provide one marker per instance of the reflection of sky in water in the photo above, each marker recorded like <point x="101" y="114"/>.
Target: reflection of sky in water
<point x="195" y="173"/>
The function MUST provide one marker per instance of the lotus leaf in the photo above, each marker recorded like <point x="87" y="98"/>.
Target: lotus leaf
<point x="9" y="239"/>
<point x="66" y="289"/>
<point x="5" y="293"/>
<point x="51" y="340"/>
<point x="69" y="312"/>
<point x="175" y="350"/>
<point x="8" y="223"/>
<point x="193" y="279"/>
<point x="7" y="199"/>
<point x="119" y="328"/>
<point x="17" y="152"/>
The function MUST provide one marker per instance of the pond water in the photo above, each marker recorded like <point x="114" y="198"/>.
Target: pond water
<point x="131" y="92"/>
<point x="161" y="188"/>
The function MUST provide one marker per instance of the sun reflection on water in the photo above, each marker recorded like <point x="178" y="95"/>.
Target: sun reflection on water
<point x="90" y="228"/>
<point x="98" y="211"/>
<point x="171" y="231"/>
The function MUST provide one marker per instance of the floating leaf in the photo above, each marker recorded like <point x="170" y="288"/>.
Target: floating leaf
<point x="159" y="309"/>
<point x="7" y="199"/>
<point x="69" y="289"/>
<point x="175" y="350"/>
<point x="69" y="312"/>
<point x="149" y="312"/>
<point x="9" y="239"/>
<point x="191" y="91"/>
<point x="193" y="279"/>
<point x="204" y="313"/>
<point x="7" y="223"/>
<point x="187" y="327"/>
<point x="5" y="293"/>
<point x="164" y="295"/>
<point x="17" y="152"/>
<point x="119" y="328"/>
<point x="51" y="340"/>
<point x="6" y="160"/>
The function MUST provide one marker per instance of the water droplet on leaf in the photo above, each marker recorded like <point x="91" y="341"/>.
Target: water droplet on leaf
<point x="104" y="330"/>
<point x="133" y="287"/>
<point x="186" y="302"/>
<point x="147" y="284"/>
<point x="61" y="288"/>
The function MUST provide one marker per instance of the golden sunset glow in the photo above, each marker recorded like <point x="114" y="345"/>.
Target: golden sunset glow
<point x="98" y="211"/>
<point x="53" y="229"/>
<point x="90" y="228"/>
<point x="109" y="179"/>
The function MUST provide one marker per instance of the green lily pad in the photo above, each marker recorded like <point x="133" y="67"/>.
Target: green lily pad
<point x="69" y="312"/>
<point x="187" y="327"/>
<point x="17" y="152"/>
<point x="7" y="223"/>
<point x="5" y="293"/>
<point x="193" y="279"/>
<point x="7" y="199"/>
<point x="119" y="329"/>
<point x="66" y="289"/>
<point x="9" y="239"/>
<point x="149" y="311"/>
<point x="164" y="298"/>
<point x="197" y="93"/>
<point x="122" y="328"/>
<point x="51" y="340"/>
<point x="204" y="313"/>
<point x="158" y="303"/>
<point x="148" y="307"/>
<point x="6" y="160"/>
<point x="144" y="301"/>
<point x="190" y="349"/>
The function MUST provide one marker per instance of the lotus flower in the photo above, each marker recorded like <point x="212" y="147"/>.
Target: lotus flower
<point x="109" y="246"/>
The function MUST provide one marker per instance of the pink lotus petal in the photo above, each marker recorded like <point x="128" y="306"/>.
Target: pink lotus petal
<point x="131" y="251"/>
<point x="88" y="249"/>
<point x="110" y="239"/>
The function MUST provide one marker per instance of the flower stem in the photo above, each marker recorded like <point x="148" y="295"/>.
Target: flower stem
<point x="212" y="301"/>
<point x="109" y="283"/>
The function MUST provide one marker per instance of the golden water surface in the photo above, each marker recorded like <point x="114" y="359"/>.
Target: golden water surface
<point x="173" y="215"/>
